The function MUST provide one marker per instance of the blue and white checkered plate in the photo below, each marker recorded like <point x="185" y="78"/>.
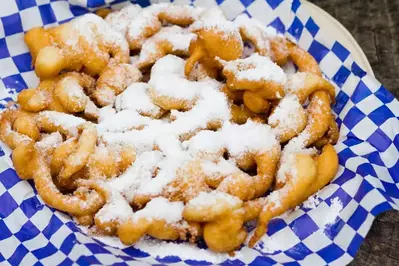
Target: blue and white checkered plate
<point x="330" y="232"/>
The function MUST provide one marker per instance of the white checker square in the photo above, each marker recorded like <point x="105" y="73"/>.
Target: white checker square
<point x="248" y="254"/>
<point x="394" y="107"/>
<point x="21" y="191"/>
<point x="396" y="201"/>
<point x="42" y="2"/>
<point x="5" y="249"/>
<point x="371" y="83"/>
<point x="40" y="219"/>
<point x="287" y="237"/>
<point x="30" y="78"/>
<point x="63" y="217"/>
<point x="365" y="128"/>
<point x="353" y="162"/>
<point x="30" y="259"/>
<point x="261" y="11"/>
<point x="324" y="37"/>
<point x="317" y="241"/>
<point x="363" y="148"/>
<point x="61" y="10"/>
<point x="305" y="41"/>
<point x="8" y="7"/>
<point x="312" y="260"/>
<point x="290" y="216"/>
<point x="352" y="186"/>
<point x="327" y="191"/>
<point x="302" y="14"/>
<point x="2" y="34"/>
<point x="31" y="18"/>
<point x="375" y="182"/>
<point x="347" y="212"/>
<point x="15" y="220"/>
<point x="182" y="2"/>
<point x="390" y="156"/>
<point x="2" y="189"/>
<point x="232" y="8"/>
<point x="317" y="214"/>
<point x="108" y="259"/>
<point x="16" y="44"/>
<point x="77" y="251"/>
<point x="383" y="173"/>
<point x="58" y="237"/>
<point x="281" y="258"/>
<point x="350" y="84"/>
<point x="205" y="3"/>
<point x="330" y="65"/>
<point x="390" y="126"/>
<point x="369" y="104"/>
<point x="54" y="259"/>
<point x="37" y="242"/>
<point x="372" y="199"/>
<point x="345" y="237"/>
<point x="8" y="67"/>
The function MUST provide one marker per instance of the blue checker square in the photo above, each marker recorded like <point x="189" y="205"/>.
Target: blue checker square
<point x="274" y="3"/>
<point x="278" y="25"/>
<point x="96" y="249"/>
<point x="23" y="62"/>
<point x="295" y="5"/>
<point x="291" y="263"/>
<point x="47" y="14"/>
<point x="12" y="24"/>
<point x="366" y="169"/>
<point x="355" y="245"/>
<point x="4" y="231"/>
<point x="197" y="262"/>
<point x="358" y="217"/>
<point x="331" y="253"/>
<point x="344" y="177"/>
<point x="95" y="3"/>
<point x="78" y="10"/>
<point x="394" y="171"/>
<point x="9" y="178"/>
<point x="168" y="259"/>
<point x="18" y="255"/>
<point x="353" y="117"/>
<point x="341" y="76"/>
<point x="296" y="28"/>
<point x="31" y="206"/>
<point x="384" y="95"/>
<point x="357" y="70"/>
<point x="344" y="155"/>
<point x="246" y="3"/>
<point x="219" y="2"/>
<point x="54" y="224"/>
<point x="8" y="205"/>
<point x="4" y="53"/>
<point x="262" y="261"/>
<point x="303" y="232"/>
<point x="380" y="115"/>
<point x="24" y="4"/>
<point x="276" y="225"/>
<point x="312" y="27"/>
<point x="45" y="251"/>
<point x="88" y="260"/>
<point x="382" y="207"/>
<point x="332" y="230"/>
<point x="340" y="51"/>
<point x="27" y="232"/>
<point x="340" y="193"/>
<point x="318" y="50"/>
<point x="298" y="252"/>
<point x="364" y="188"/>
<point x="68" y="244"/>
<point x="361" y="92"/>
<point x="341" y="100"/>
<point x="379" y="140"/>
<point x="374" y="158"/>
<point x="15" y="82"/>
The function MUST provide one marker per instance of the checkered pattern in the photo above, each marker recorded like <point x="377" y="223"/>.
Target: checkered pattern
<point x="367" y="183"/>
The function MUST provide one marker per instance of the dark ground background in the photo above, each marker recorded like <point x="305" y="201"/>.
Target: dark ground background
<point x="375" y="26"/>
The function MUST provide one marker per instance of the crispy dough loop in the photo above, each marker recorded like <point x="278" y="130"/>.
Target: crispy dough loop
<point x="113" y="80"/>
<point x="49" y="192"/>
<point x="69" y="47"/>
<point x="18" y="127"/>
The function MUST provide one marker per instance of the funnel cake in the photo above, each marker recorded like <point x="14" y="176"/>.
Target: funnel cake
<point x="190" y="140"/>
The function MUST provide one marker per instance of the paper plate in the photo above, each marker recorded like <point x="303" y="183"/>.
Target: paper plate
<point x="328" y="229"/>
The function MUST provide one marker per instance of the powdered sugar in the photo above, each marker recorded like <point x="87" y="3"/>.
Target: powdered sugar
<point x="214" y="199"/>
<point x="256" y="68"/>
<point x="161" y="209"/>
<point x="120" y="20"/>
<point x="286" y="115"/>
